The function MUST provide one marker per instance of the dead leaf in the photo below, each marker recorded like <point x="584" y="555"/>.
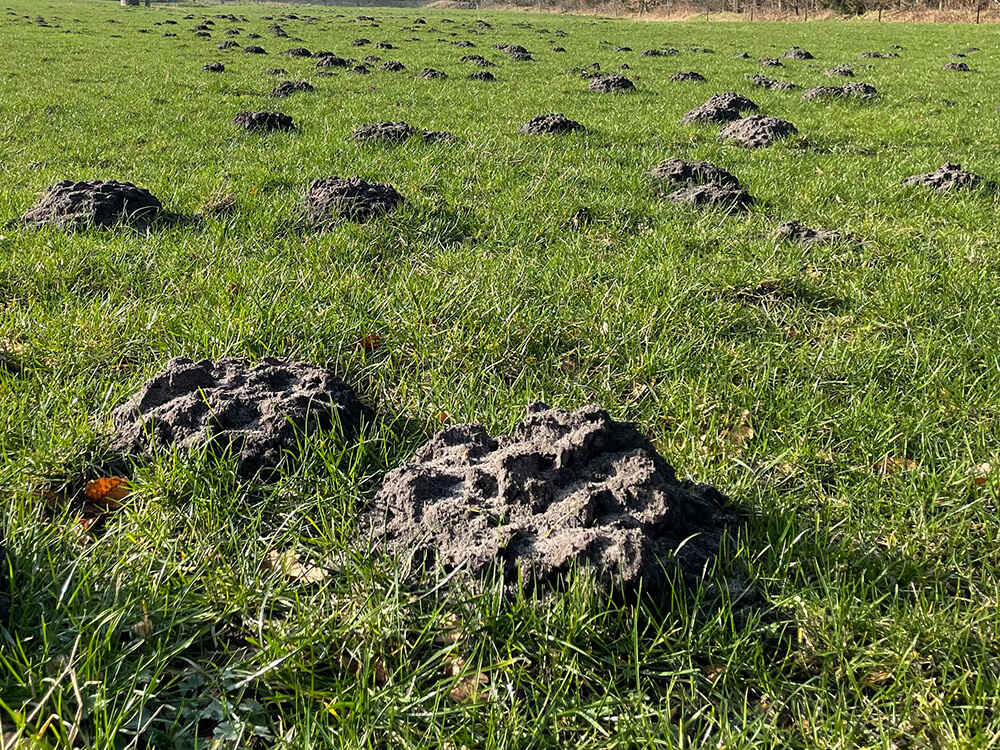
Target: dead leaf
<point x="108" y="491"/>
<point x="893" y="464"/>
<point x="981" y="473"/>
<point x="469" y="689"/>
<point x="144" y="628"/>
<point x="878" y="678"/>
<point x="369" y="343"/>
<point x="291" y="565"/>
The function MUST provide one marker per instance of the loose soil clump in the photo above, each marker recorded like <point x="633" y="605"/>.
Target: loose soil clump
<point x="481" y="75"/>
<point x="712" y="194"/>
<point x="287" y="88"/>
<point x="298" y="52"/>
<point x="670" y="52"/>
<point x="264" y="122"/>
<point x="948" y="177"/>
<point x="432" y="74"/>
<point x="959" y="66"/>
<point x="565" y="489"/>
<point x="94" y="203"/>
<point x="771" y="62"/>
<point x="551" y="124"/>
<point x="392" y="66"/>
<point x="256" y="413"/>
<point x="678" y="172"/>
<point x="350" y="198"/>
<point x="756" y="131"/>
<point x="214" y="67"/>
<point x="854" y="89"/>
<point x="687" y="76"/>
<point x="840" y="70"/>
<point x="397" y="132"/>
<point x="797" y="53"/>
<point x="610" y="84"/>
<point x="771" y="84"/>
<point x="255" y="50"/>
<point x="800" y="234"/>
<point x="332" y="61"/>
<point x="724" y="107"/>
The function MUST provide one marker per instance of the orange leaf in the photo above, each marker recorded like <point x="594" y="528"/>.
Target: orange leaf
<point x="370" y="343"/>
<point x="107" y="490"/>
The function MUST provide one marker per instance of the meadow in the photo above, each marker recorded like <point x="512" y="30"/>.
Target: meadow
<point x="844" y="397"/>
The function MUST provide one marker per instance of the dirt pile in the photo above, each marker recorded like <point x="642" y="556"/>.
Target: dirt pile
<point x="756" y="131"/>
<point x="854" y="89"/>
<point x="610" y="84"/>
<point x="800" y="234"/>
<point x="551" y="124"/>
<point x="797" y="53"/>
<point x="710" y="194"/>
<point x="101" y="203"/>
<point x="564" y="489"/>
<point x="431" y="74"/>
<point x="298" y="52"/>
<point x="687" y="76"/>
<point x="678" y="172"/>
<point x="264" y="122"/>
<point x="948" y="177"/>
<point x="724" y="107"/>
<point x="771" y="84"/>
<point x="959" y="66"/>
<point x="840" y="70"/>
<point x="397" y="132"/>
<point x="481" y="75"/>
<point x="392" y="66"/>
<point x="287" y="88"/>
<point x="256" y="413"/>
<point x="214" y="67"/>
<point x="350" y="198"/>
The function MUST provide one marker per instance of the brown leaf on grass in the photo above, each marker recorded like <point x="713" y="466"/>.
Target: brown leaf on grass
<point x="894" y="464"/>
<point x="107" y="491"/>
<point x="469" y="689"/>
<point x="290" y="564"/>
<point x="981" y="473"/>
<point x="369" y="343"/>
<point x="875" y="679"/>
<point x="144" y="628"/>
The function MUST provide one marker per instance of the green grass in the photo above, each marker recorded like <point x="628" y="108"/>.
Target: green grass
<point x="876" y="614"/>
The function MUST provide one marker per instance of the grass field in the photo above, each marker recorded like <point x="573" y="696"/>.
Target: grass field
<point x="844" y="397"/>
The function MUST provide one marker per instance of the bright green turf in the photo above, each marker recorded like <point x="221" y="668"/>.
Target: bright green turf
<point x="881" y="586"/>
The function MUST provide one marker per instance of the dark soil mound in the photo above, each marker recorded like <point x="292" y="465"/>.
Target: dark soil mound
<point x="670" y="52"/>
<point x="771" y="62"/>
<point x="724" y="107"/>
<point x="756" y="131"/>
<point x="711" y="194"/>
<point x="265" y="122"/>
<point x="875" y="55"/>
<point x="287" y="88"/>
<point x="481" y="75"/>
<point x="959" y="66"/>
<point x="564" y="489"/>
<point x="215" y="67"/>
<point x="431" y="73"/>
<point x="397" y="132"/>
<point x="392" y="66"/>
<point x="687" y="76"/>
<point x="275" y="71"/>
<point x="350" y="198"/>
<point x="610" y="84"/>
<point x="840" y="70"/>
<point x="854" y="89"/>
<point x="361" y="42"/>
<point x="298" y="52"/>
<point x="228" y="45"/>
<point x="772" y="85"/>
<point x="256" y="413"/>
<point x="800" y="234"/>
<point x="948" y="177"/>
<point x="479" y="60"/>
<point x="332" y="61"/>
<point x="678" y="172"/>
<point x="94" y="203"/>
<point x="822" y="92"/>
<point x="551" y="124"/>
<point x="359" y="70"/>
<point x="797" y="53"/>
<point x="859" y="90"/>
<point x="255" y="50"/>
<point x="384" y="45"/>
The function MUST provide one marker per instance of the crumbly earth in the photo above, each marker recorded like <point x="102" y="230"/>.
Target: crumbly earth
<point x="797" y="53"/>
<point x="687" y="173"/>
<point x="397" y="132"/>
<point x="254" y="412"/>
<point x="214" y="67"/>
<point x="431" y="73"/>
<point x="481" y="75"/>
<point x="610" y="84"/>
<point x="287" y="88"/>
<point x="551" y="124"/>
<point x="724" y="107"/>
<point x="392" y="66"/>
<point x="687" y="76"/>
<point x="712" y="194"/>
<point x="959" y="66"/>
<point x="800" y="234"/>
<point x="265" y="122"/>
<point x="771" y="84"/>
<point x="350" y="198"/>
<point x="101" y="203"/>
<point x="565" y="489"/>
<point x="948" y="177"/>
<point x="756" y="131"/>
<point x="840" y="70"/>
